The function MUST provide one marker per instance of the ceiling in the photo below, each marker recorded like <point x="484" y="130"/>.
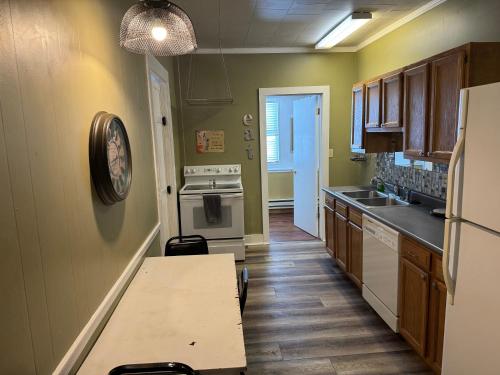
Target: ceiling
<point x="287" y="23"/>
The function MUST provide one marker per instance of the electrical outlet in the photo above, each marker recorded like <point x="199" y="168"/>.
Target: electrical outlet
<point x="330" y="152"/>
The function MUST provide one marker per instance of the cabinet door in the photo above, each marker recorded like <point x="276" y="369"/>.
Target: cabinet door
<point x="392" y="101"/>
<point x="330" y="230"/>
<point x="447" y="78"/>
<point x="414" y="301"/>
<point x="358" y="117"/>
<point x="437" y="312"/>
<point x="372" y="104"/>
<point x="415" y="111"/>
<point x="341" y="241"/>
<point x="355" y="253"/>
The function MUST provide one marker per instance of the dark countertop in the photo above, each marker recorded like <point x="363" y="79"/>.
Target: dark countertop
<point x="413" y="221"/>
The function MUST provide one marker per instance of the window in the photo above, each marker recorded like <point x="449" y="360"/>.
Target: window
<point x="272" y="132"/>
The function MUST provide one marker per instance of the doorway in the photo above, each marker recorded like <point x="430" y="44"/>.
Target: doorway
<point x="294" y="161"/>
<point x="163" y="146"/>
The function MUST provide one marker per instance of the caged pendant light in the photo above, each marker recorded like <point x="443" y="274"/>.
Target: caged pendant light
<point x="157" y="27"/>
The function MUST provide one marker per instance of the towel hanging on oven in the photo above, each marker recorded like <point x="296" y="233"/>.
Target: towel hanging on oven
<point x="212" y="208"/>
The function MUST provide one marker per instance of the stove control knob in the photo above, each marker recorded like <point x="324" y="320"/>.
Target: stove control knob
<point x="230" y="170"/>
<point x="219" y="170"/>
<point x="193" y="170"/>
<point x="187" y="171"/>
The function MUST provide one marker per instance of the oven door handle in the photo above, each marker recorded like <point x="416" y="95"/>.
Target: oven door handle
<point x="196" y="197"/>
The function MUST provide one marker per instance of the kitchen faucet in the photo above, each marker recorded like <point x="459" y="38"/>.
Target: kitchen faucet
<point x="379" y="183"/>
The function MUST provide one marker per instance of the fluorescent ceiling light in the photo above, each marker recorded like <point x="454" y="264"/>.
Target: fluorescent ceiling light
<point x="344" y="29"/>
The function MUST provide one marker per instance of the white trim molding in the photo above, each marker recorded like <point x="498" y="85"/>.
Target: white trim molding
<point x="339" y="49"/>
<point x="324" y="92"/>
<point x="255" y="239"/>
<point x="396" y="25"/>
<point x="81" y="344"/>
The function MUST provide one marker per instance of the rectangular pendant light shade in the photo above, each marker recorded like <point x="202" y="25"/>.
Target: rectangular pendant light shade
<point x="344" y="29"/>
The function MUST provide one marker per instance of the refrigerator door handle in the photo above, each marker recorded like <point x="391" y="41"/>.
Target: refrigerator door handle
<point x="457" y="153"/>
<point x="448" y="280"/>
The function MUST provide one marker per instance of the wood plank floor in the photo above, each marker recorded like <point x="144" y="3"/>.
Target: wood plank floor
<point x="281" y="228"/>
<point x="303" y="316"/>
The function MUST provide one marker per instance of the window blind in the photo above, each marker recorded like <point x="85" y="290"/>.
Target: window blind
<point x="272" y="132"/>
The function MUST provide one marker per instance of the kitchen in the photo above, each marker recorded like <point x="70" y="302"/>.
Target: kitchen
<point x="317" y="308"/>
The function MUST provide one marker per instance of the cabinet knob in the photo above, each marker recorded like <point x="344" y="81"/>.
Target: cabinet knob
<point x="434" y="285"/>
<point x="423" y="276"/>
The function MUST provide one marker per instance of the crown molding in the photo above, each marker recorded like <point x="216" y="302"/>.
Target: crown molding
<point x="395" y="25"/>
<point x="274" y="50"/>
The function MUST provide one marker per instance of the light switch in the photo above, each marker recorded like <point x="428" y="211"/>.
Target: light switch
<point x="330" y="152"/>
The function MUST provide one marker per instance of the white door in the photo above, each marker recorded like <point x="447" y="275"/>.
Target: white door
<point x="306" y="167"/>
<point x="163" y="150"/>
<point x="472" y="332"/>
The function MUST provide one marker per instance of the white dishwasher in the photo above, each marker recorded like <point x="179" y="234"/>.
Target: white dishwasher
<point x="381" y="269"/>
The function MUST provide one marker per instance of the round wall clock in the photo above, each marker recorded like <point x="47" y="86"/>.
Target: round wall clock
<point x="110" y="158"/>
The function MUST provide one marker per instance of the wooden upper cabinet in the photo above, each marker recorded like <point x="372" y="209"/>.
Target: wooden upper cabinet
<point x="392" y="101"/>
<point x="447" y="79"/>
<point x="373" y="103"/>
<point x="414" y="300"/>
<point x="415" y="110"/>
<point x="358" y="117"/>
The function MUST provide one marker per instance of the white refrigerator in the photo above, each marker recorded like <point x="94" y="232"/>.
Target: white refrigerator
<point x="471" y="259"/>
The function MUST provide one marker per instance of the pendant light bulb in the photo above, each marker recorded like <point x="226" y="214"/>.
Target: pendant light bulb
<point x="159" y="33"/>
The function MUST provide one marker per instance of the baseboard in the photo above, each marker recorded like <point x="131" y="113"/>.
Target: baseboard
<point x="280" y="203"/>
<point x="254" y="239"/>
<point x="78" y="350"/>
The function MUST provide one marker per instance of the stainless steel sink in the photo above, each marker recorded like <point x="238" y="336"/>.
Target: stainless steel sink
<point x="363" y="194"/>
<point x="381" y="202"/>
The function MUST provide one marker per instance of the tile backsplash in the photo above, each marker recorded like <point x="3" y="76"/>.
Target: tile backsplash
<point x="432" y="182"/>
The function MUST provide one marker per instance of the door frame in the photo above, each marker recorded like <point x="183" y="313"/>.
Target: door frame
<point x="153" y="65"/>
<point x="324" y="144"/>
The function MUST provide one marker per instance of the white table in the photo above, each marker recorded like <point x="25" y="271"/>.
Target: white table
<point x="180" y="309"/>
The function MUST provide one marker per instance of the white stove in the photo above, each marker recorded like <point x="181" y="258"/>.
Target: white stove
<point x="225" y="234"/>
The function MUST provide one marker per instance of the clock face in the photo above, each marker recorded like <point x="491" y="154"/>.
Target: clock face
<point x="110" y="158"/>
<point x="117" y="157"/>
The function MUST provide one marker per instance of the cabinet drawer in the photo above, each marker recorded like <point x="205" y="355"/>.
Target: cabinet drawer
<point x="341" y="208"/>
<point x="416" y="254"/>
<point x="330" y="201"/>
<point x="356" y="217"/>
<point x="437" y="267"/>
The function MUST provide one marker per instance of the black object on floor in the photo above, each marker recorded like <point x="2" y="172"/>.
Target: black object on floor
<point x="212" y="208"/>
<point x="243" y="288"/>
<point x="170" y="368"/>
<point x="186" y="245"/>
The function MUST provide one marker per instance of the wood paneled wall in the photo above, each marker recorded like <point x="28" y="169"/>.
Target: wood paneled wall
<point x="61" y="249"/>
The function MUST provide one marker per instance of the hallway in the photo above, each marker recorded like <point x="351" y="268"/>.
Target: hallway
<point x="303" y="316"/>
<point x="281" y="228"/>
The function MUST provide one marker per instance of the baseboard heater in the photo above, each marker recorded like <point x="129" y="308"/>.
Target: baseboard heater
<point x="275" y="204"/>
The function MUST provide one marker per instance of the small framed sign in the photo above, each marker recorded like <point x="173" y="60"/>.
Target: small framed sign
<point x="110" y="158"/>
<point x="209" y="141"/>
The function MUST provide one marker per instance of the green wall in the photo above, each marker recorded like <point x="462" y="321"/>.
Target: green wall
<point x="280" y="185"/>
<point x="248" y="73"/>
<point x="449" y="25"/>
<point x="62" y="249"/>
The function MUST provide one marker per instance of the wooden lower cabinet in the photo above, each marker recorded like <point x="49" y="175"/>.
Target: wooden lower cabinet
<point x="414" y="300"/>
<point x="341" y="249"/>
<point x="355" y="238"/>
<point x="330" y="230"/>
<point x="422" y="301"/>
<point x="437" y="312"/>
